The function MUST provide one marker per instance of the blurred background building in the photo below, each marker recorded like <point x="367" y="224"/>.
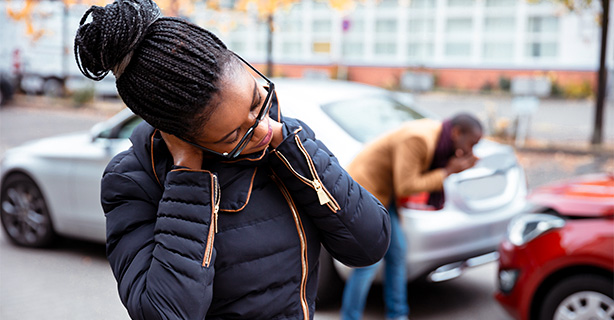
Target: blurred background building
<point x="462" y="44"/>
<point x="408" y="44"/>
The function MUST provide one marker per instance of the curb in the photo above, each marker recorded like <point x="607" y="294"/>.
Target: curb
<point x="601" y="151"/>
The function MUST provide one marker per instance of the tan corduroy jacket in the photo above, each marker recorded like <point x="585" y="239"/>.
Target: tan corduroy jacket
<point x="398" y="162"/>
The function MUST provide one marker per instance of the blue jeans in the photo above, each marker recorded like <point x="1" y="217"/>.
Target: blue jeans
<point x="395" y="287"/>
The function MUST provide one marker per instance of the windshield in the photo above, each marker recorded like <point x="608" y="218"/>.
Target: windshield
<point x="367" y="118"/>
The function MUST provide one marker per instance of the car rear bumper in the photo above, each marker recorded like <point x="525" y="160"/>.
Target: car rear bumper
<point x="442" y="244"/>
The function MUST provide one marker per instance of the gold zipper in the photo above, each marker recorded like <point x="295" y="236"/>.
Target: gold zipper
<point x="323" y="195"/>
<point x="301" y="234"/>
<point x="215" y="208"/>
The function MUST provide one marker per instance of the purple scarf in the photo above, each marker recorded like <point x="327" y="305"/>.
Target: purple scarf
<point x="443" y="152"/>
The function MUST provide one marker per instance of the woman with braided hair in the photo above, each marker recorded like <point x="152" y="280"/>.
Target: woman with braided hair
<point x="220" y="207"/>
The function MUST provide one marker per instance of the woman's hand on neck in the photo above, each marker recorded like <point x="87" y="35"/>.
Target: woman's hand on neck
<point x="184" y="154"/>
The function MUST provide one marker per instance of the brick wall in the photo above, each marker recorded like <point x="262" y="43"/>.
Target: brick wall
<point x="461" y="79"/>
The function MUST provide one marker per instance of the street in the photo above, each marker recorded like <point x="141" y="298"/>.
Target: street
<point x="74" y="281"/>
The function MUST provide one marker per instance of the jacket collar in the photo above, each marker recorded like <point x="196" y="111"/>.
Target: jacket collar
<point x="236" y="176"/>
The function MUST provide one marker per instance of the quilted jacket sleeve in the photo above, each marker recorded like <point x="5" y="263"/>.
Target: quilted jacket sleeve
<point x="354" y="226"/>
<point x="160" y="251"/>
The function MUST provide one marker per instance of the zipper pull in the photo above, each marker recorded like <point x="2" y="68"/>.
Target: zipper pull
<point x="322" y="196"/>
<point x="215" y="211"/>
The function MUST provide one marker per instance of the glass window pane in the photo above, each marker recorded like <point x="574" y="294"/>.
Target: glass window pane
<point x="421" y="25"/>
<point x="458" y="49"/>
<point x="367" y="118"/>
<point x="353" y="49"/>
<point x="422" y="4"/>
<point x="290" y="25"/>
<point x="388" y="3"/>
<point x="459" y="25"/>
<point x="461" y="3"/>
<point x="386" y="26"/>
<point x="291" y="48"/>
<point x="500" y="3"/>
<point x="420" y="50"/>
<point x="541" y="49"/>
<point x="385" y="48"/>
<point x="498" y="51"/>
<point x="543" y="24"/>
<point x="355" y="26"/>
<point x="322" y="25"/>
<point x="499" y="25"/>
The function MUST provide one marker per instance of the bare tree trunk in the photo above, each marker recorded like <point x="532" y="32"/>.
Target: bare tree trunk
<point x="597" y="138"/>
<point x="269" y="47"/>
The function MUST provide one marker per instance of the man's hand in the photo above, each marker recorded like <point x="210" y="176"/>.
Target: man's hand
<point x="460" y="162"/>
<point x="183" y="153"/>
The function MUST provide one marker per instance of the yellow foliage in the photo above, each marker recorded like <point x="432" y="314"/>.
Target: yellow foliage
<point x="578" y="90"/>
<point x="29" y="6"/>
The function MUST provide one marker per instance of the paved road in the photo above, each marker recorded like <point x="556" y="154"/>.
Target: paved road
<point x="73" y="280"/>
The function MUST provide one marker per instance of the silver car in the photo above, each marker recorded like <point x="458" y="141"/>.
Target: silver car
<point x="51" y="186"/>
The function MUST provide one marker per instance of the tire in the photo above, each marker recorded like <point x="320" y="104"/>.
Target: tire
<point x="24" y="213"/>
<point x="330" y="285"/>
<point x="53" y="87"/>
<point x="586" y="296"/>
<point x="6" y="89"/>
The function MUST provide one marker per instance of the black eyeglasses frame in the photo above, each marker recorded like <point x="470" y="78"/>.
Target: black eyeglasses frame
<point x="266" y="106"/>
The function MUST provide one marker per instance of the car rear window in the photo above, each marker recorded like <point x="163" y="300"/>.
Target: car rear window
<point x="365" y="118"/>
<point x="483" y="188"/>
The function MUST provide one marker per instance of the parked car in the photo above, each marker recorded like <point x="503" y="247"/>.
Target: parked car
<point x="51" y="186"/>
<point x="558" y="262"/>
<point x="7" y="88"/>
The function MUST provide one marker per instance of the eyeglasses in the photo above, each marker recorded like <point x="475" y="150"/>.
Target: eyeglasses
<point x="264" y="111"/>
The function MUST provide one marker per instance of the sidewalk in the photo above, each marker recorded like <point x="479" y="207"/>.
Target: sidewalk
<point x="557" y="125"/>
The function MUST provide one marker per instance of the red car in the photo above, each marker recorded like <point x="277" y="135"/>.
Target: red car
<point x="558" y="262"/>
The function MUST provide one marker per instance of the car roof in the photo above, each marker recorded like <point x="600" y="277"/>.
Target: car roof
<point x="322" y="91"/>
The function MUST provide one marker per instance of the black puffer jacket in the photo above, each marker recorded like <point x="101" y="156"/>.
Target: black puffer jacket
<point x="239" y="239"/>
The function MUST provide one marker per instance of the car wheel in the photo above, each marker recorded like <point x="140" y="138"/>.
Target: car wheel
<point x="53" y="88"/>
<point x="24" y="213"/>
<point x="579" y="297"/>
<point x="330" y="285"/>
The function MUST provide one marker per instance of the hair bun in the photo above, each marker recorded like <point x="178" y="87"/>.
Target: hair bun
<point x="108" y="41"/>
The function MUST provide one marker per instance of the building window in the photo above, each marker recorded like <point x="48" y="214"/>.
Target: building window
<point x="388" y="3"/>
<point x="386" y="26"/>
<point x="288" y="25"/>
<point x="237" y="45"/>
<point x="422" y="4"/>
<point x="543" y="25"/>
<point x="420" y="50"/>
<point x="499" y="25"/>
<point x="541" y="49"/>
<point x="353" y="49"/>
<point x="500" y="3"/>
<point x="461" y="3"/>
<point x="458" y="49"/>
<point x="385" y="48"/>
<point x="291" y="48"/>
<point x="322" y="26"/>
<point x="498" y="51"/>
<point x="416" y="25"/>
<point x="459" y="26"/>
<point x="355" y="26"/>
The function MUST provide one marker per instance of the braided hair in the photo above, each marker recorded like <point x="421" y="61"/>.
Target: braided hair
<point x="167" y="70"/>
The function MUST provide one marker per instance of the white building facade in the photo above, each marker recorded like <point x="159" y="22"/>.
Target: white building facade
<point x="432" y="34"/>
